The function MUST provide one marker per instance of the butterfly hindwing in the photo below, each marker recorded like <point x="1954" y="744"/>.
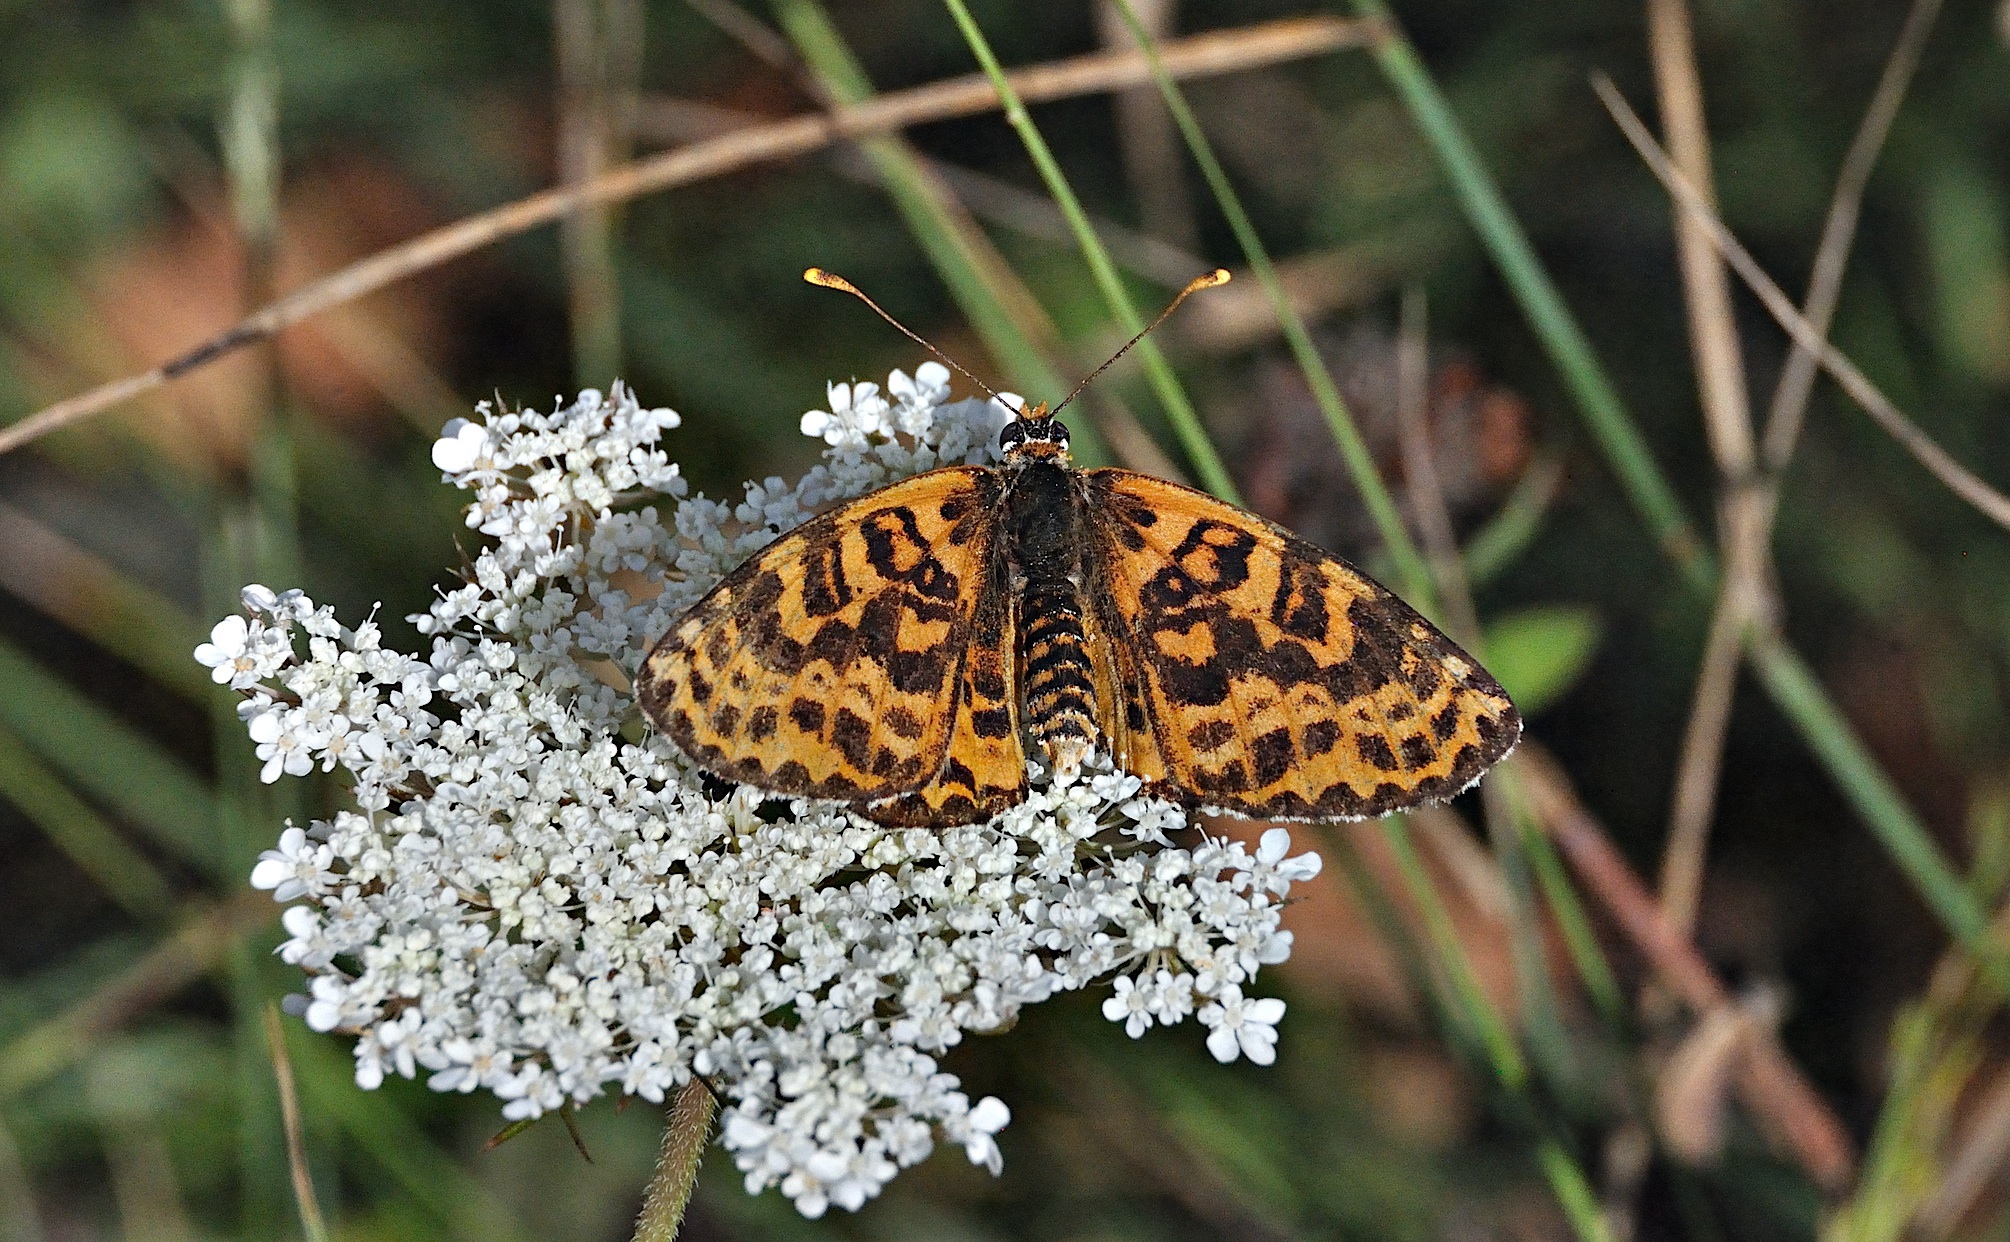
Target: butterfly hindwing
<point x="834" y="662"/>
<point x="1277" y="681"/>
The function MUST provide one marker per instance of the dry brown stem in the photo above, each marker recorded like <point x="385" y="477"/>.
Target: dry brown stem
<point x="1727" y="418"/>
<point x="1770" y="1084"/>
<point x="1221" y="52"/>
<point x="1750" y="501"/>
<point x="311" y="1221"/>
<point x="1952" y="475"/>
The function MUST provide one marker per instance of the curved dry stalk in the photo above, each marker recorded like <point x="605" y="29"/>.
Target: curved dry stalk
<point x="1748" y="508"/>
<point x="1221" y="52"/>
<point x="1790" y="398"/>
<point x="1952" y="475"/>
<point x="1727" y="420"/>
<point x="312" y="1223"/>
<point x="1713" y="333"/>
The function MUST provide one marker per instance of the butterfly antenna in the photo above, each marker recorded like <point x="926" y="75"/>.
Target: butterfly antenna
<point x="831" y="280"/>
<point x="1219" y="276"/>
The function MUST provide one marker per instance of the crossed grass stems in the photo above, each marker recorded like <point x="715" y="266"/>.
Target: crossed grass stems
<point x="1533" y="819"/>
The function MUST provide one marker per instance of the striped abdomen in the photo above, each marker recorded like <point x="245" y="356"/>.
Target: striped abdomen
<point x="1055" y="675"/>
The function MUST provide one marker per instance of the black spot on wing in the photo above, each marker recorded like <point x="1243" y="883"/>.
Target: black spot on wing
<point x="1208" y="735"/>
<point x="851" y="733"/>
<point x="807" y="714"/>
<point x="1320" y="737"/>
<point x="1271" y="753"/>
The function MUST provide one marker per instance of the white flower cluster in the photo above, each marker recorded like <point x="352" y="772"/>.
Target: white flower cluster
<point x="537" y="896"/>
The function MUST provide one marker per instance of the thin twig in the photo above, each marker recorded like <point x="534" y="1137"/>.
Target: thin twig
<point x="1991" y="503"/>
<point x="1727" y="418"/>
<point x="1747" y="510"/>
<point x="1713" y="333"/>
<point x="1420" y="471"/>
<point x="1790" y="398"/>
<point x="1220" y="52"/>
<point x="311" y="1221"/>
<point x="684" y="1135"/>
<point x="1771" y="1085"/>
<point x="1699" y="768"/>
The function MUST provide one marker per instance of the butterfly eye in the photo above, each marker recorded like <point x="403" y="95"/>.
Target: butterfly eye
<point x="1012" y="436"/>
<point x="1058" y="433"/>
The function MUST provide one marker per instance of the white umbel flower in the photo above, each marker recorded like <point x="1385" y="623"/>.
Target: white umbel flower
<point x="537" y="896"/>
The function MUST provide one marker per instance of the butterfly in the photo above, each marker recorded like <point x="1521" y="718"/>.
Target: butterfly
<point x="904" y="652"/>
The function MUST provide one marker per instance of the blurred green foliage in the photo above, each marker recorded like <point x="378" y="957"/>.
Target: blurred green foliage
<point x="135" y="1093"/>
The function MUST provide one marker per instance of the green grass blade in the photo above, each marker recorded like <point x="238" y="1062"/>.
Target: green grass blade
<point x="1410" y="567"/>
<point x="1797" y="694"/>
<point x="1571" y="919"/>
<point x="1207" y="464"/>
<point x="101" y="602"/>
<point x="1501" y="540"/>
<point x="1365" y="888"/>
<point x="1503" y="1055"/>
<point x="1793" y="688"/>
<point x="80" y="832"/>
<point x="1573" y="1191"/>
<point x="107" y="758"/>
<point x="432" y="1178"/>
<point x="937" y="224"/>
<point x="1502" y="234"/>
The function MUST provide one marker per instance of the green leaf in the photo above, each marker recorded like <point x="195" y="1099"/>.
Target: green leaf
<point x="1539" y="653"/>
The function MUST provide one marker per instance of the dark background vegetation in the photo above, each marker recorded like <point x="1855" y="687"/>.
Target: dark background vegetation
<point x="136" y="1095"/>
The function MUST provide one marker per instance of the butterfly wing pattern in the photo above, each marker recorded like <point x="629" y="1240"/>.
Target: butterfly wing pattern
<point x="1268" y="678"/>
<point x="900" y="652"/>
<point x="859" y="657"/>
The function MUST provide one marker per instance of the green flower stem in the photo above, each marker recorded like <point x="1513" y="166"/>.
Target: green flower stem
<point x="1793" y="687"/>
<point x="1179" y="409"/>
<point x="1571" y="919"/>
<point x="1409" y="563"/>
<point x="1573" y="1191"/>
<point x="677" y="1162"/>
<point x="1503" y="1056"/>
<point x="1502" y="1053"/>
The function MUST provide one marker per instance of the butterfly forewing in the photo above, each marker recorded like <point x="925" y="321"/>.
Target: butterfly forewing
<point x="984" y="769"/>
<point x="1276" y="681"/>
<point x="838" y="661"/>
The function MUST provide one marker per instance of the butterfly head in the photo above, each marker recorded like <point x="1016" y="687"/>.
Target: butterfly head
<point x="1035" y="435"/>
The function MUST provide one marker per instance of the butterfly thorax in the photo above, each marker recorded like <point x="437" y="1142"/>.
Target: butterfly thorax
<point x="1040" y="521"/>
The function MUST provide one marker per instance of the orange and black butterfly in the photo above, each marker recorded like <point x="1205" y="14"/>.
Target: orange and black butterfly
<point x="903" y="652"/>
